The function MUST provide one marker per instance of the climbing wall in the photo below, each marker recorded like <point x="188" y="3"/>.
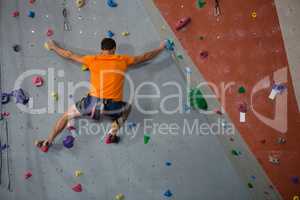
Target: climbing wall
<point x="168" y="166"/>
<point x="245" y="52"/>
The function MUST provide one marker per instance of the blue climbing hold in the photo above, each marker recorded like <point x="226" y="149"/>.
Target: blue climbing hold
<point x="168" y="193"/>
<point x="20" y="96"/>
<point x="112" y="3"/>
<point x="168" y="163"/>
<point x="3" y="147"/>
<point x="31" y="14"/>
<point x="68" y="142"/>
<point x="5" y="98"/>
<point x="110" y="34"/>
<point x="131" y="125"/>
<point x="170" y="45"/>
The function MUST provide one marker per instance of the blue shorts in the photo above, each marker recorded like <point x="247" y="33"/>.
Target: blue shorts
<point x="96" y="107"/>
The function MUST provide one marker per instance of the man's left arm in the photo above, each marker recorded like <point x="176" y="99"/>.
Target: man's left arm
<point x="149" y="55"/>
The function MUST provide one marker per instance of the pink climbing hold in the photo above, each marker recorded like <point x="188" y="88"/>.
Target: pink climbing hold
<point x="71" y="128"/>
<point x="204" y="54"/>
<point x="50" y="32"/>
<point x="37" y="81"/>
<point x="182" y="23"/>
<point x="27" y="175"/>
<point x="243" y="107"/>
<point x="44" y="149"/>
<point x="77" y="188"/>
<point x="15" y="13"/>
<point x="217" y="111"/>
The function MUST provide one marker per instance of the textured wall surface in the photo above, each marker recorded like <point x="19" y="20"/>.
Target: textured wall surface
<point x="201" y="166"/>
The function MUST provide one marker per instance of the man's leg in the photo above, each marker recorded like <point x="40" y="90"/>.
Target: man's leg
<point x="60" y="124"/>
<point x="116" y="125"/>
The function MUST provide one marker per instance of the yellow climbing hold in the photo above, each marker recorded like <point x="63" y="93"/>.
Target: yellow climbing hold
<point x="125" y="33"/>
<point x="78" y="173"/>
<point x="80" y="3"/>
<point x="46" y="46"/>
<point x="120" y="196"/>
<point x="55" y="95"/>
<point x="253" y="14"/>
<point x="84" y="68"/>
<point x="296" y="197"/>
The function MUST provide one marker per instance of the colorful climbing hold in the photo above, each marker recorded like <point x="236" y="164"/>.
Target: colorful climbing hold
<point x="111" y="3"/>
<point x="250" y="185"/>
<point x="27" y="175"/>
<point x="110" y="34"/>
<point x="179" y="56"/>
<point x="125" y="33"/>
<point x="15" y="13"/>
<point x="5" y="97"/>
<point x="16" y="48"/>
<point x="235" y="152"/>
<point x="168" y="193"/>
<point x="170" y="44"/>
<point x="80" y="3"/>
<point x="50" y="32"/>
<point x="295" y="179"/>
<point x="78" y="173"/>
<point x="119" y="196"/>
<point x="131" y="125"/>
<point x="3" y="147"/>
<point x="68" y="141"/>
<point x="31" y="14"/>
<point x="281" y="140"/>
<point x="217" y="111"/>
<point x="200" y="3"/>
<point x="77" y="187"/>
<point x="253" y="14"/>
<point x="197" y="100"/>
<point x="146" y="138"/>
<point x="182" y="23"/>
<point x="241" y="90"/>
<point x="46" y="46"/>
<point x="44" y="149"/>
<point x="55" y="96"/>
<point x="204" y="54"/>
<point x="20" y="96"/>
<point x="37" y="81"/>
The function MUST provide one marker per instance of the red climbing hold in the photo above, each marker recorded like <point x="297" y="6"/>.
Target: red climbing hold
<point x="50" y="32"/>
<point x="204" y="54"/>
<point x="37" y="81"/>
<point x="77" y="188"/>
<point x="182" y="23"/>
<point x="31" y="1"/>
<point x="15" y="13"/>
<point x="44" y="149"/>
<point x="27" y="174"/>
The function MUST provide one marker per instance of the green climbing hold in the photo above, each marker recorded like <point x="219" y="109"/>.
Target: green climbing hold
<point x="197" y="100"/>
<point x="235" y="152"/>
<point x="146" y="138"/>
<point x="242" y="90"/>
<point x="250" y="185"/>
<point x="201" y="3"/>
<point x="179" y="56"/>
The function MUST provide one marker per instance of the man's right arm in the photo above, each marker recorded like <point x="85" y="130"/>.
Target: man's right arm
<point x="64" y="53"/>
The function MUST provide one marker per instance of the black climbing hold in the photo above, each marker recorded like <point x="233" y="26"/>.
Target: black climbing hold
<point x="17" y="48"/>
<point x="5" y="98"/>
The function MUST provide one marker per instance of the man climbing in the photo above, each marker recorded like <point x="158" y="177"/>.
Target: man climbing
<point x="107" y="71"/>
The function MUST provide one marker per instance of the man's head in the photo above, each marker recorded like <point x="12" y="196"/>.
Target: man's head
<point x="108" y="44"/>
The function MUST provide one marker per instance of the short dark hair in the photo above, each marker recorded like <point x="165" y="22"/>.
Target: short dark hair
<point x="108" y="44"/>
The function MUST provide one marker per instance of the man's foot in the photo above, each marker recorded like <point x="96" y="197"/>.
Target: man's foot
<point x="112" y="139"/>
